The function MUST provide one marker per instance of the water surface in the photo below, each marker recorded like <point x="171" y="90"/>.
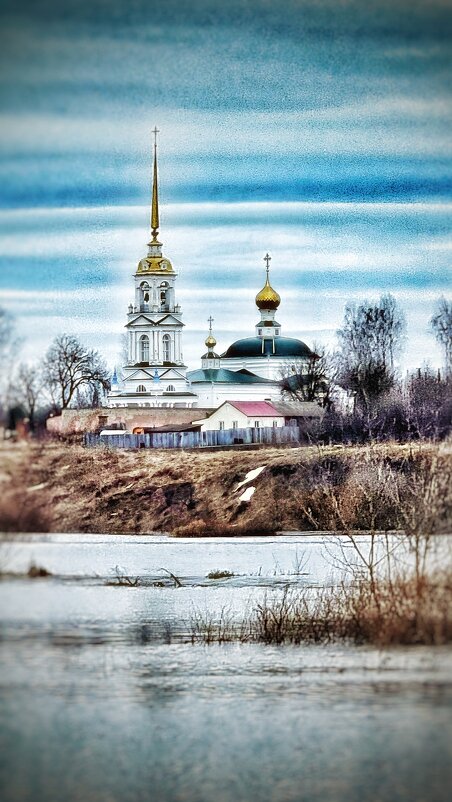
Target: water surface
<point x="102" y="698"/>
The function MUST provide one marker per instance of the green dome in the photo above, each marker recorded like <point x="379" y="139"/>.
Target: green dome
<point x="252" y="346"/>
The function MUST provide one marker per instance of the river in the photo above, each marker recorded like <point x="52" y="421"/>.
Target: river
<point x="104" y="699"/>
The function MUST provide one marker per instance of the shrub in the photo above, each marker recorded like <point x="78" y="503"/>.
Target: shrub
<point x="405" y="611"/>
<point x="195" y="528"/>
<point x="219" y="575"/>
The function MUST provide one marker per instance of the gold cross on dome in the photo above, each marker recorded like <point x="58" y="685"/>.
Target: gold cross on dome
<point x="267" y="259"/>
<point x="155" y="132"/>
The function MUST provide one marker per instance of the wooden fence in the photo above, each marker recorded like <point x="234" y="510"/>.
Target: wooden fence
<point x="226" y="437"/>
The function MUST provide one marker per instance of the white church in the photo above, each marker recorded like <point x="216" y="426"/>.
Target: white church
<point x="155" y="374"/>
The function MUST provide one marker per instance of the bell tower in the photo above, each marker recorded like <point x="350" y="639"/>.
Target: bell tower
<point x="154" y="319"/>
<point x="155" y="362"/>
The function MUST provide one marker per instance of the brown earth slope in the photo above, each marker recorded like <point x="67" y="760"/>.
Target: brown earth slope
<point x="66" y="488"/>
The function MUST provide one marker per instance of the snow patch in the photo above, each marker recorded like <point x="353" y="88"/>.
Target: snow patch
<point x="246" y="495"/>
<point x="250" y="476"/>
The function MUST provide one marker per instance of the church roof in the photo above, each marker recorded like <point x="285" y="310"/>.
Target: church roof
<point x="225" y="376"/>
<point x="252" y="346"/>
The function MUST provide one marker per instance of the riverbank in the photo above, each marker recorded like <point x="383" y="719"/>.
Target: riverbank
<point x="54" y="487"/>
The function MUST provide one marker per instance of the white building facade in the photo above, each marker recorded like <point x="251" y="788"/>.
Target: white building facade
<point x="242" y="415"/>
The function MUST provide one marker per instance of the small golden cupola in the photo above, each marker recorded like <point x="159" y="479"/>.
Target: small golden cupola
<point x="267" y="298"/>
<point x="210" y="359"/>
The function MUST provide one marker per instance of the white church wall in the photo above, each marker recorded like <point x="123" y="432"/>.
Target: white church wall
<point x="267" y="367"/>
<point x="215" y="394"/>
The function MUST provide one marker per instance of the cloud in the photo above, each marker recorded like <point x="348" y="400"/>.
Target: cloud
<point x="395" y="150"/>
<point x="252" y="104"/>
<point x="321" y="134"/>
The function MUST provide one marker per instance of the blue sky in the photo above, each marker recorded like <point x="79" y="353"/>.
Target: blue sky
<point x="319" y="131"/>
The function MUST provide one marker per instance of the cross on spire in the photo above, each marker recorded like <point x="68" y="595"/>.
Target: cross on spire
<point x="210" y="321"/>
<point x="267" y="259"/>
<point x="155" y="131"/>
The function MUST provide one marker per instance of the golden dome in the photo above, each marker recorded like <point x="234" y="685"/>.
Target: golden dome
<point x="155" y="264"/>
<point x="267" y="298"/>
<point x="210" y="341"/>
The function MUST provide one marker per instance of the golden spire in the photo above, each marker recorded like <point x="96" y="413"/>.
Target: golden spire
<point x="267" y="298"/>
<point x="155" y="195"/>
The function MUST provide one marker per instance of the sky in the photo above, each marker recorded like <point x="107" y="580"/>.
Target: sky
<point x="316" y="130"/>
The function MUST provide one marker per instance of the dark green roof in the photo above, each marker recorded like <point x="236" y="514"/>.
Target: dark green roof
<point x="225" y="376"/>
<point x="252" y="346"/>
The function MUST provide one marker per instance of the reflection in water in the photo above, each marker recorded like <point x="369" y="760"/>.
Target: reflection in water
<point x="101" y="699"/>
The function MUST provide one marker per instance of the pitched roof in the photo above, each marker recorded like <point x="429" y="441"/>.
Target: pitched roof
<point x="302" y="409"/>
<point x="263" y="409"/>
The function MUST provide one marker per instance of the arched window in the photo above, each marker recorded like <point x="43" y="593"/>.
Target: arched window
<point x="171" y="388"/>
<point x="166" y="340"/>
<point x="144" y="348"/>
<point x="141" y="388"/>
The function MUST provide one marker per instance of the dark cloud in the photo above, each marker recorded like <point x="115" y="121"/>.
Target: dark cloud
<point x="81" y="179"/>
<point x="379" y="71"/>
<point x="85" y="58"/>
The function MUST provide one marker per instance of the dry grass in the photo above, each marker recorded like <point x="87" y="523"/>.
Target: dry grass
<point x="37" y="572"/>
<point x="66" y="488"/>
<point x="404" y="612"/>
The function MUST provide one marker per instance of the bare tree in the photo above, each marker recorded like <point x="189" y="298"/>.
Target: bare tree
<point x="6" y="329"/>
<point x="27" y="390"/>
<point x="311" y="379"/>
<point x="428" y="400"/>
<point x="69" y="367"/>
<point x="441" y="325"/>
<point x="370" y="339"/>
<point x="9" y="343"/>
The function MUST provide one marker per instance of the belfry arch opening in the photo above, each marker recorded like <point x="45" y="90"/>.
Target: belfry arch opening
<point x="164" y="296"/>
<point x="145" y="296"/>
